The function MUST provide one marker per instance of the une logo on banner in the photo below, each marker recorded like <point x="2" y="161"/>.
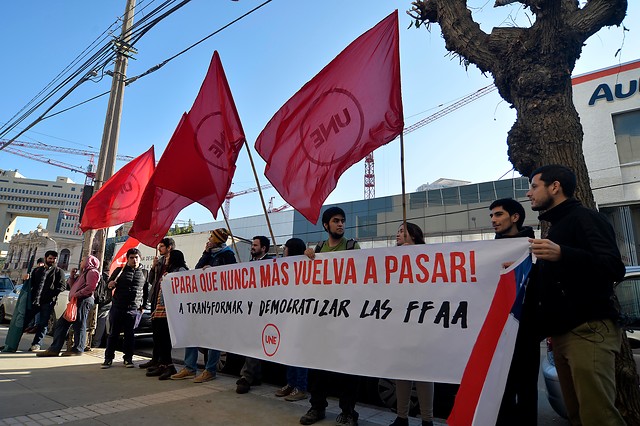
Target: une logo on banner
<point x="270" y="339"/>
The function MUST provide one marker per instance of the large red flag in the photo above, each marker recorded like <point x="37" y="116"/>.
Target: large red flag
<point x="120" y="259"/>
<point x="158" y="209"/>
<point x="203" y="151"/>
<point x="117" y="200"/>
<point x="349" y="109"/>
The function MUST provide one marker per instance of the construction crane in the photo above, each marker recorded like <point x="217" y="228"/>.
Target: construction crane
<point x="54" y="148"/>
<point x="369" y="178"/>
<point x="369" y="174"/>
<point x="89" y="172"/>
<point x="230" y="195"/>
<point x="272" y="209"/>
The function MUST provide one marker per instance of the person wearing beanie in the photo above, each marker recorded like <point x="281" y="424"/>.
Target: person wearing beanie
<point x="216" y="253"/>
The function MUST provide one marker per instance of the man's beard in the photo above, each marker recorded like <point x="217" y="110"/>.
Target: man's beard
<point x="335" y="235"/>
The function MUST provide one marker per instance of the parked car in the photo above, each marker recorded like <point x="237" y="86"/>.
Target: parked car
<point x="6" y="286"/>
<point x="628" y="293"/>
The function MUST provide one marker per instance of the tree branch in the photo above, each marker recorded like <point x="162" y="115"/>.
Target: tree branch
<point x="461" y="33"/>
<point x="595" y="15"/>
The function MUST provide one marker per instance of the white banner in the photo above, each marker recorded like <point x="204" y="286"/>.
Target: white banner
<point x="411" y="312"/>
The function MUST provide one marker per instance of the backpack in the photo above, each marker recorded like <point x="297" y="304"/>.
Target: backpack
<point x="102" y="295"/>
<point x="351" y="244"/>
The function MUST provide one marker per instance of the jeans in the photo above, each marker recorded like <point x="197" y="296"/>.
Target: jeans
<point x="252" y="370"/>
<point x="79" y="328"/>
<point x="121" y="321"/>
<point x="42" y="322"/>
<point x="297" y="377"/>
<point x="191" y="360"/>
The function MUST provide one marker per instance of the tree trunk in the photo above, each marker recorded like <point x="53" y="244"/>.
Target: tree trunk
<point x="532" y="70"/>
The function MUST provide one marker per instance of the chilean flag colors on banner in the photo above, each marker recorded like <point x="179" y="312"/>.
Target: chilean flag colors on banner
<point x="352" y="107"/>
<point x="485" y="375"/>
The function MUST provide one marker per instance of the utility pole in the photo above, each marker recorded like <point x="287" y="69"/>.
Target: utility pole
<point x="111" y="132"/>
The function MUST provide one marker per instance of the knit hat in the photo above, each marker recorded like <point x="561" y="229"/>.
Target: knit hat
<point x="219" y="235"/>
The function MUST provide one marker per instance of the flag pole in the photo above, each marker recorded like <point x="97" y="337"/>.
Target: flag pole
<point x="264" y="207"/>
<point x="404" y="196"/>
<point x="233" y="240"/>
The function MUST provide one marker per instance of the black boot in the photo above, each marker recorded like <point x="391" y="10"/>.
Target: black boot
<point x="157" y="371"/>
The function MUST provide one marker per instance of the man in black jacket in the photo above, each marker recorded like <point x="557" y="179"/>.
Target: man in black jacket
<point x="577" y="265"/>
<point x="127" y="304"/>
<point x="520" y="399"/>
<point x="47" y="282"/>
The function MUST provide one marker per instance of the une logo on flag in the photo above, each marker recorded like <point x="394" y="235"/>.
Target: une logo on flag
<point x="163" y="202"/>
<point x="211" y="148"/>
<point x="336" y="114"/>
<point x="270" y="339"/>
<point x="130" y="193"/>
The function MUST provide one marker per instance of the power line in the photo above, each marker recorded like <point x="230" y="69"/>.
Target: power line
<point x="136" y="35"/>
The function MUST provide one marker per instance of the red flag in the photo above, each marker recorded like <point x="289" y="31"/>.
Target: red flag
<point x="206" y="144"/>
<point x="120" y="259"/>
<point x="349" y="109"/>
<point x="158" y="209"/>
<point x="117" y="200"/>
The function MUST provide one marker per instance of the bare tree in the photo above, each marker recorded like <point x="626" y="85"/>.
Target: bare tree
<point x="532" y="70"/>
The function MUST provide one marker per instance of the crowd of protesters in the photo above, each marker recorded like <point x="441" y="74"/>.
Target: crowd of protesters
<point x="572" y="305"/>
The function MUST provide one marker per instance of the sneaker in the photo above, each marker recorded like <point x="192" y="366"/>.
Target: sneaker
<point x="243" y="385"/>
<point x="128" y="364"/>
<point x="206" y="376"/>
<point x="399" y="421"/>
<point x="185" y="373"/>
<point x="167" y="373"/>
<point x="284" y="391"/>
<point x="71" y="353"/>
<point x="106" y="364"/>
<point x="34" y="348"/>
<point x="296" y="395"/>
<point x="47" y="353"/>
<point x="348" y="419"/>
<point x="312" y="416"/>
<point x="149" y="364"/>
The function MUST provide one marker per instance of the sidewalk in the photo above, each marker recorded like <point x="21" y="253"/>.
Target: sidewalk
<point x="46" y="391"/>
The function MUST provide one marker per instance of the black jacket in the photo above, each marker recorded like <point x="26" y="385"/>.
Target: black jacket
<point x="46" y="285"/>
<point x="216" y="258"/>
<point x="524" y="232"/>
<point x="579" y="287"/>
<point x="131" y="288"/>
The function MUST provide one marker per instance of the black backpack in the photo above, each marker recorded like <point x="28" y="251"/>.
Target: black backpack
<point x="102" y="295"/>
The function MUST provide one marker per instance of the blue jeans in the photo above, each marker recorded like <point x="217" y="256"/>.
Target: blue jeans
<point x="297" y="377"/>
<point x="79" y="328"/>
<point x="191" y="360"/>
<point x="42" y="322"/>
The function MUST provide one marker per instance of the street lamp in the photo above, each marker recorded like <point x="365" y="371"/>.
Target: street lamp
<point x="54" y="242"/>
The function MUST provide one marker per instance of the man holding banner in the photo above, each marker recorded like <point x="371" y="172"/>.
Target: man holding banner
<point x="333" y="221"/>
<point x="520" y="399"/>
<point x="578" y="263"/>
<point x="252" y="369"/>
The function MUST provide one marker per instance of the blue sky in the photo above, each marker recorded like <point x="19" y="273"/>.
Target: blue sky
<point x="267" y="57"/>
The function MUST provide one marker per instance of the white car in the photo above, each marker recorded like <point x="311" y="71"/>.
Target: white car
<point x="628" y="292"/>
<point x="9" y="302"/>
<point x="6" y="286"/>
